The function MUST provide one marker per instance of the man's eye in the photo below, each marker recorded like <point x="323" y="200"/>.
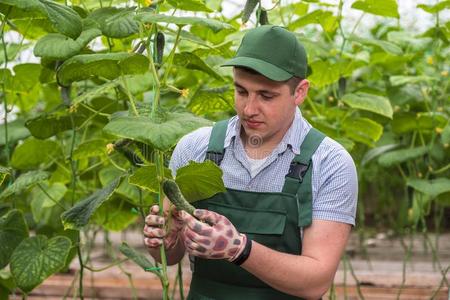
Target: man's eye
<point x="267" y="97"/>
<point x="241" y="92"/>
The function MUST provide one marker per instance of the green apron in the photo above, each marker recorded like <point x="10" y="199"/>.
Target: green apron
<point x="271" y="219"/>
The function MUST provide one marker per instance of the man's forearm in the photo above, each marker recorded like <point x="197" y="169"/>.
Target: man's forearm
<point x="173" y="255"/>
<point x="292" y="274"/>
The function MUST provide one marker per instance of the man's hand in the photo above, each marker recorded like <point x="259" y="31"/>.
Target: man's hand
<point x="214" y="238"/>
<point x="156" y="232"/>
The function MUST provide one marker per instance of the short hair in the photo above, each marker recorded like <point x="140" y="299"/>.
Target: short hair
<point x="291" y="82"/>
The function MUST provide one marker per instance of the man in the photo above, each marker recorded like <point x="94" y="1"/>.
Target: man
<point x="281" y="227"/>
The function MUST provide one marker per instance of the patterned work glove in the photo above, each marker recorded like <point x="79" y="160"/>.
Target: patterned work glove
<point x="155" y="231"/>
<point x="217" y="238"/>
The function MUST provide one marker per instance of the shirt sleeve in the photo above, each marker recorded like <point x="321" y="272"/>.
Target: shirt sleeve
<point x="337" y="187"/>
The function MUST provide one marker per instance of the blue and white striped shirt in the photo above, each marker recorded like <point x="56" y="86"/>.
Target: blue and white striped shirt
<point x="334" y="178"/>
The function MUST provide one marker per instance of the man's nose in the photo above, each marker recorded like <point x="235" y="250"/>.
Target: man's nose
<point x="251" y="107"/>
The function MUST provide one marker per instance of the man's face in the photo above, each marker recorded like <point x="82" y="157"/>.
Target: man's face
<point x="266" y="108"/>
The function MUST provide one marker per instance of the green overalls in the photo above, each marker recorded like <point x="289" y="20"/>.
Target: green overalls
<point x="271" y="219"/>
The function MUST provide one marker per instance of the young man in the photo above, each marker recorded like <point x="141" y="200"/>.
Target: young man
<point x="281" y="227"/>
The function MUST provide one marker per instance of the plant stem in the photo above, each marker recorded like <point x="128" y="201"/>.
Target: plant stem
<point x="80" y="260"/>
<point x="130" y="97"/>
<point x="117" y="262"/>
<point x="352" y="272"/>
<point x="171" y="56"/>
<point x="5" y="102"/>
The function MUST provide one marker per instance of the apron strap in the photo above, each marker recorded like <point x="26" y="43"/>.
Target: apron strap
<point x="299" y="178"/>
<point x="216" y="149"/>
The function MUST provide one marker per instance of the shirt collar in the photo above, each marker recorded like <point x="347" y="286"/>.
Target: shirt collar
<point x="293" y="136"/>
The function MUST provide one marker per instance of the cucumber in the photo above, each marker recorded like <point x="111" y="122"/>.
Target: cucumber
<point x="263" y="18"/>
<point x="160" y="42"/>
<point x="173" y="192"/>
<point x="248" y="9"/>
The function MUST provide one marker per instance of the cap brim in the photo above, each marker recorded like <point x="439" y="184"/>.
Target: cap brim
<point x="268" y="70"/>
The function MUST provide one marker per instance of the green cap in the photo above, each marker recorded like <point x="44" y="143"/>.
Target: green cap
<point x="272" y="51"/>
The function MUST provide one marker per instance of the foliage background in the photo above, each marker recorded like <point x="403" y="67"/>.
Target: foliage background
<point x="94" y="119"/>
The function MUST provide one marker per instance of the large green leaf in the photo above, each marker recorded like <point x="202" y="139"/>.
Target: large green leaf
<point x="362" y="130"/>
<point x="399" y="156"/>
<point x="90" y="148"/>
<point x="323" y="73"/>
<point x="401" y="80"/>
<point x="375" y="152"/>
<point x="16" y="131"/>
<point x="215" y="25"/>
<point x="13" y="229"/>
<point x="115" y="22"/>
<point x="325" y="18"/>
<point x="190" y="5"/>
<point x="199" y="181"/>
<point x="130" y="192"/>
<point x="161" y="134"/>
<point x="44" y="199"/>
<point x="405" y="122"/>
<point x="115" y="215"/>
<point x="432" y="9"/>
<point x="370" y="102"/>
<point x="432" y="188"/>
<point x="107" y="65"/>
<point x="388" y="47"/>
<point x="78" y="216"/>
<point x="139" y="258"/>
<point x="23" y="182"/>
<point x="145" y="178"/>
<point x="58" y="46"/>
<point x="48" y="125"/>
<point x="63" y="18"/>
<point x="213" y="100"/>
<point x="191" y="61"/>
<point x="36" y="258"/>
<point x="34" y="152"/>
<point x="385" y="8"/>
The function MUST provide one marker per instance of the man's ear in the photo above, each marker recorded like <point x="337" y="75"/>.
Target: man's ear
<point x="301" y="91"/>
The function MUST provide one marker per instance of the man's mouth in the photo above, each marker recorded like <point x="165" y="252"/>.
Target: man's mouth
<point x="253" y="124"/>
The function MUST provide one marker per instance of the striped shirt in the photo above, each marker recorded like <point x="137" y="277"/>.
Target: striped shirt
<point x="334" y="178"/>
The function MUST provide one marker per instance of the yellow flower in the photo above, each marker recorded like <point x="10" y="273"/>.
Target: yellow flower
<point x="330" y="98"/>
<point x="109" y="148"/>
<point x="444" y="73"/>
<point x="430" y="60"/>
<point x="148" y="2"/>
<point x="73" y="108"/>
<point x="185" y="93"/>
<point x="439" y="130"/>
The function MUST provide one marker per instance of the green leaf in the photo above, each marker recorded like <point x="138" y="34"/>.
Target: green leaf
<point x="388" y="47"/>
<point x="4" y="172"/>
<point x="26" y="76"/>
<point x="115" y="22"/>
<point x="191" y="61"/>
<point x="78" y="216"/>
<point x="48" y="125"/>
<point x="36" y="258"/>
<point x="213" y="100"/>
<point x="432" y="188"/>
<point x="16" y="131"/>
<point x="386" y="8"/>
<point x="63" y="18"/>
<point x="323" y="73"/>
<point x="399" y="156"/>
<point x="432" y="9"/>
<point x="107" y="65"/>
<point x="115" y="215"/>
<point x="363" y="130"/>
<point x="375" y="152"/>
<point x="215" y="25"/>
<point x="13" y="229"/>
<point x="146" y="178"/>
<point x="24" y="182"/>
<point x="33" y="153"/>
<point x="139" y="258"/>
<point x="326" y="19"/>
<point x="445" y="135"/>
<point x="369" y="102"/>
<point x="12" y="50"/>
<point x="90" y="148"/>
<point x="190" y="5"/>
<point x="198" y="181"/>
<point x="58" y="46"/>
<point x="401" y="80"/>
<point x="41" y="200"/>
<point x="160" y="134"/>
<point x="406" y="122"/>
